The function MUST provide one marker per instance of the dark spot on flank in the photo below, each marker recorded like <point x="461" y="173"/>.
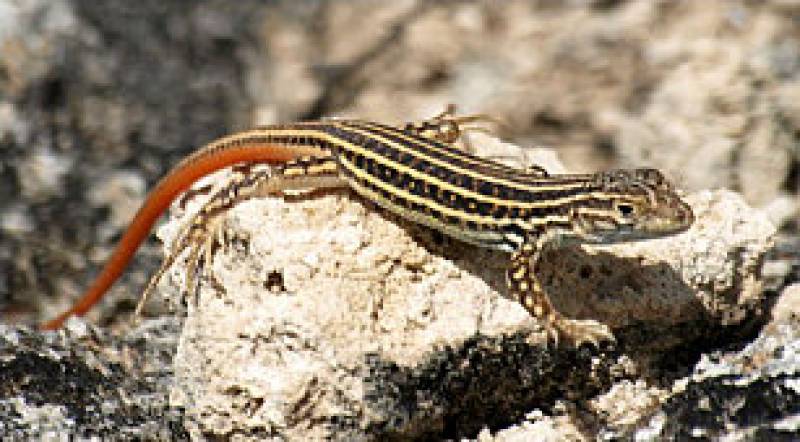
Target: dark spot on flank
<point x="369" y="166"/>
<point x="484" y="209"/>
<point x="586" y="272"/>
<point x="444" y="196"/>
<point x="387" y="195"/>
<point x="504" y="192"/>
<point x="485" y="188"/>
<point x="377" y="169"/>
<point x="432" y="191"/>
<point x="440" y="173"/>
<point x="373" y="145"/>
<point x="402" y="180"/>
<point x="457" y="201"/>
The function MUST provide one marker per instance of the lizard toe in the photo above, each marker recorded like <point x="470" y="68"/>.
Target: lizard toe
<point x="587" y="331"/>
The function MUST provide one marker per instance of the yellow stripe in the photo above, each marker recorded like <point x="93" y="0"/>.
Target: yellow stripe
<point x="420" y="146"/>
<point x="451" y="151"/>
<point x="434" y="205"/>
<point x="407" y="196"/>
<point x="471" y="236"/>
<point x="423" y="177"/>
<point x="385" y="161"/>
<point x="528" y="224"/>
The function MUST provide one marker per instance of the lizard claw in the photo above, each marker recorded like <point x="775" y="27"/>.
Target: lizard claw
<point x="578" y="332"/>
<point x="202" y="249"/>
<point x="201" y="237"/>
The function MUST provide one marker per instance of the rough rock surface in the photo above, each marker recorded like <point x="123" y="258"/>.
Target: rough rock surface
<point x="749" y="394"/>
<point x="82" y="383"/>
<point x="97" y="101"/>
<point x="324" y="316"/>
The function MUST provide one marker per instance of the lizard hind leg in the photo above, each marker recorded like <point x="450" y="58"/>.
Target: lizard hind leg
<point x="200" y="235"/>
<point x="204" y="232"/>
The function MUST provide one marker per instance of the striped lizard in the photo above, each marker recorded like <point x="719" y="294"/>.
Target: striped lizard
<point x="416" y="172"/>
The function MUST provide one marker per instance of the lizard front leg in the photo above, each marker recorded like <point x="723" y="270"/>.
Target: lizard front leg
<point x="203" y="232"/>
<point x="525" y="286"/>
<point x="447" y="127"/>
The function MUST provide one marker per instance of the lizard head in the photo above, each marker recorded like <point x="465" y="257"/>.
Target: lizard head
<point x="629" y="205"/>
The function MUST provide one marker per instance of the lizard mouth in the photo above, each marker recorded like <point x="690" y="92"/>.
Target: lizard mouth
<point x="674" y="218"/>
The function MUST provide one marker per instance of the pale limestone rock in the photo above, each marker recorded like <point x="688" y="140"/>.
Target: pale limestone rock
<point x="788" y="306"/>
<point x="543" y="429"/>
<point x="363" y="290"/>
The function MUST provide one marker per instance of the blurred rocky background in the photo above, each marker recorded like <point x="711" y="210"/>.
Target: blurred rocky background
<point x="99" y="99"/>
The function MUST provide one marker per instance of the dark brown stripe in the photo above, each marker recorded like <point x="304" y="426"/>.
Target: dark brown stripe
<point x="483" y="187"/>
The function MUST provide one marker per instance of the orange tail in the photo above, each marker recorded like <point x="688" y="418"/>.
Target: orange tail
<point x="226" y="152"/>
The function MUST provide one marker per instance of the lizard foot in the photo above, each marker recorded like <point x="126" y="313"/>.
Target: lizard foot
<point x="201" y="236"/>
<point x="578" y="332"/>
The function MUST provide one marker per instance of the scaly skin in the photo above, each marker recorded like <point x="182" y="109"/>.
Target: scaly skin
<point x="417" y="173"/>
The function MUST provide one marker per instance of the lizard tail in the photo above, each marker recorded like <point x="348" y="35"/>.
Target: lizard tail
<point x="246" y="147"/>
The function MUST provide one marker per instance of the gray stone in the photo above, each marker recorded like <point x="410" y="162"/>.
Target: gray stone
<point x="81" y="382"/>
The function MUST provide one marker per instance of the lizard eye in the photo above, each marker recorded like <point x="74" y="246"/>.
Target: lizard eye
<point x="625" y="209"/>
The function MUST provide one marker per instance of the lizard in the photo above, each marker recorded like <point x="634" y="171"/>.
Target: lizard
<point x="417" y="172"/>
